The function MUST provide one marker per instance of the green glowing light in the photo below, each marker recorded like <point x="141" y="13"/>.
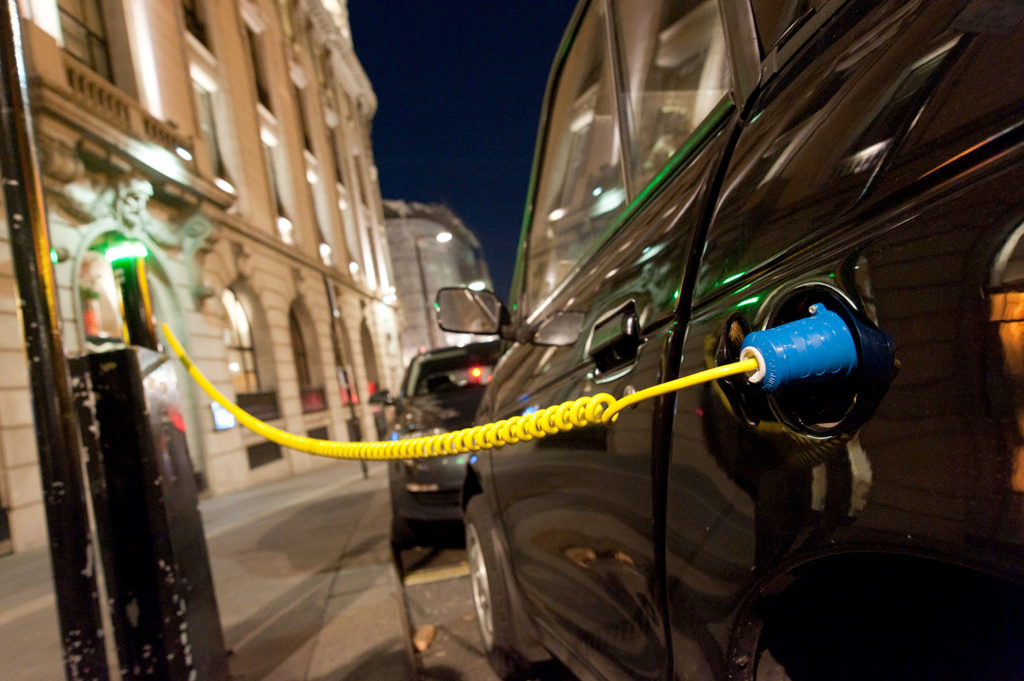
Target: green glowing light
<point x="731" y="278"/>
<point x="749" y="301"/>
<point x="54" y="258"/>
<point x="126" y="250"/>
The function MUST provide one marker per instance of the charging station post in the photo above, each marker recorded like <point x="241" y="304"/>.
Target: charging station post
<point x="72" y="551"/>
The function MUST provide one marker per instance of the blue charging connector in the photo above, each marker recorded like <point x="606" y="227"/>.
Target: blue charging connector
<point x="811" y="349"/>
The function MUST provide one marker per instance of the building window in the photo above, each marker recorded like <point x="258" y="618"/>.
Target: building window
<point x="307" y="366"/>
<point x="303" y="119"/>
<point x="208" y="127"/>
<point x="259" y="68"/>
<point x="263" y="453"/>
<point x="241" y="354"/>
<point x="250" y="362"/>
<point x="285" y="228"/>
<point x="339" y="175"/>
<point x="299" y="350"/>
<point x="195" y="21"/>
<point x="85" y="34"/>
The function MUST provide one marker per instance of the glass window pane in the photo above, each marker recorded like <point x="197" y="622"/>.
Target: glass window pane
<point x="579" y="188"/>
<point x="676" y="72"/>
<point x="775" y="18"/>
<point x="208" y="126"/>
<point x="299" y="351"/>
<point x="241" y="335"/>
<point x="92" y="17"/>
<point x="76" y="41"/>
<point x="99" y="59"/>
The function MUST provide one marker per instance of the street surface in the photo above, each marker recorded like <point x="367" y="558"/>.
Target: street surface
<point x="306" y="587"/>
<point x="439" y="599"/>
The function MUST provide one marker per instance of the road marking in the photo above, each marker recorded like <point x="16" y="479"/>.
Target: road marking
<point x="436" y="574"/>
<point x="44" y="601"/>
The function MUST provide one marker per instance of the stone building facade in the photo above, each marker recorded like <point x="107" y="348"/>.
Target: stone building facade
<point x="232" y="140"/>
<point x="430" y="248"/>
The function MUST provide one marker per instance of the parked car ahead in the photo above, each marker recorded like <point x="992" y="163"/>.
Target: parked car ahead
<point x="440" y="393"/>
<point x="705" y="169"/>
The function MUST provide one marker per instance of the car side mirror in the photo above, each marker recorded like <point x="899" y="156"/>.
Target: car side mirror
<point x="463" y="310"/>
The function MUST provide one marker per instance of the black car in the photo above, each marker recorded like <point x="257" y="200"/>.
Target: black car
<point x="706" y="169"/>
<point x="440" y="393"/>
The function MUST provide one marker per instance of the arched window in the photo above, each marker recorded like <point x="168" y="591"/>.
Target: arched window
<point x="307" y="364"/>
<point x="299" y="350"/>
<point x="241" y="355"/>
<point x="249" y="352"/>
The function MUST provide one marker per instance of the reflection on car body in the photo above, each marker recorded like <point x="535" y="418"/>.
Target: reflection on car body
<point x="706" y="169"/>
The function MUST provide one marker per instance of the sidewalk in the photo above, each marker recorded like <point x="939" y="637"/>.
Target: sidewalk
<point x="305" y="585"/>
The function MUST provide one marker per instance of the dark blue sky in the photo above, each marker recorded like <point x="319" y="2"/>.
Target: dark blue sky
<point x="459" y="85"/>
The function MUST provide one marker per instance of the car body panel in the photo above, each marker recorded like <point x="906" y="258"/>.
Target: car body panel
<point x="877" y="168"/>
<point x="579" y="509"/>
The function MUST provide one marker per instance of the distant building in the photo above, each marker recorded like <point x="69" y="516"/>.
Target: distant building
<point x="232" y="140"/>
<point x="430" y="248"/>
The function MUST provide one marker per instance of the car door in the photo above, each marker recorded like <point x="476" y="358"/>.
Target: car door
<point x="634" y="138"/>
<point x="876" y="178"/>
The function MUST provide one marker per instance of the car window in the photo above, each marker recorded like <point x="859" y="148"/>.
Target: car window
<point x="449" y="370"/>
<point x="774" y="19"/>
<point x="672" y="72"/>
<point x="580" y="183"/>
<point x="676" y="72"/>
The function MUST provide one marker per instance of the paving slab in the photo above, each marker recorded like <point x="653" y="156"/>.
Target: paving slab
<point x="304" y="579"/>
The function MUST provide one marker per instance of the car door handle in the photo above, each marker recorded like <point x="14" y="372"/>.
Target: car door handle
<point x="615" y="339"/>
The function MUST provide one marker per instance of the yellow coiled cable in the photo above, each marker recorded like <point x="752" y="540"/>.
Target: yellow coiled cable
<point x="599" y="409"/>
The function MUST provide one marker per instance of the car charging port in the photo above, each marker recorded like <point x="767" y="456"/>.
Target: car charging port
<point x="823" y="366"/>
<point x="816" y="348"/>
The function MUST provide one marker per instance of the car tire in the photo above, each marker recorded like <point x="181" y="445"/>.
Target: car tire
<point x="491" y="596"/>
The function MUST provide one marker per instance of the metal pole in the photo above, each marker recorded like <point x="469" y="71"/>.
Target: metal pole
<point x="74" y="559"/>
<point x="339" y="361"/>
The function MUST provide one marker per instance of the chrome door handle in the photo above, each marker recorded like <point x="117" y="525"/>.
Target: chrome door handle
<point x="615" y="339"/>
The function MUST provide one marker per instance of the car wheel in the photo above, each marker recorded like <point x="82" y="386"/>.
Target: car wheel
<point x="491" y="599"/>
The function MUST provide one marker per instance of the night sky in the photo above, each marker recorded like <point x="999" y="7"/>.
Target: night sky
<point x="459" y="85"/>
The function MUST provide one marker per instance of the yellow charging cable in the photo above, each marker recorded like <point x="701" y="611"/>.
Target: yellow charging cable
<point x="599" y="409"/>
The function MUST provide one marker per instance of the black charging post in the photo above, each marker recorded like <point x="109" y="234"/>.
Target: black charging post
<point x="154" y="554"/>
